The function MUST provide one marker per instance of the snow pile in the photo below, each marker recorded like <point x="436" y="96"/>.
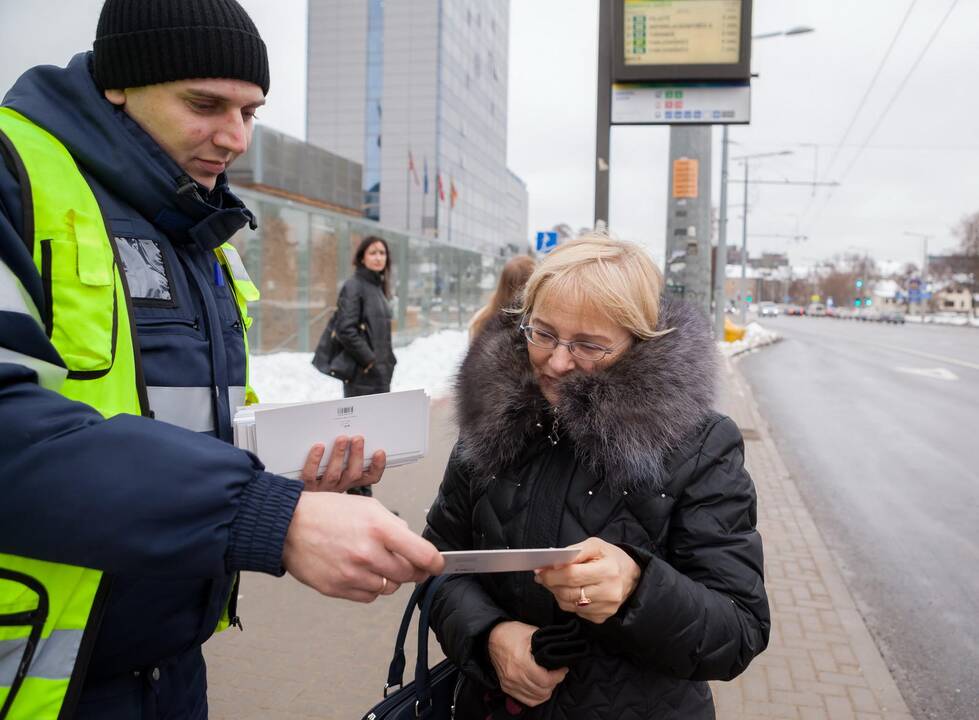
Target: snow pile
<point x="946" y="319"/>
<point x="429" y="362"/>
<point x="755" y="337"/>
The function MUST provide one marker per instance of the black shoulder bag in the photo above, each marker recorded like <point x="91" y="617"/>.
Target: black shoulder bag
<point x="432" y="694"/>
<point x="330" y="357"/>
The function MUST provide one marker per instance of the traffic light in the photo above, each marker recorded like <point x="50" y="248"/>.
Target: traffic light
<point x="859" y="284"/>
<point x="868" y="302"/>
<point x="857" y="302"/>
<point x="748" y="299"/>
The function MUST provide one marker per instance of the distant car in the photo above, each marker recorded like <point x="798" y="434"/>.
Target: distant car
<point x="816" y="310"/>
<point x="768" y="309"/>
<point x="794" y="310"/>
<point x="843" y="313"/>
<point x="892" y="316"/>
<point x="869" y="314"/>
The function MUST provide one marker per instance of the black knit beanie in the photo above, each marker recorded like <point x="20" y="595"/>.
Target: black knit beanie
<point x="145" y="42"/>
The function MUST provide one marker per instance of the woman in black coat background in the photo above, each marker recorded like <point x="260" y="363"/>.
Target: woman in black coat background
<point x="363" y="323"/>
<point x="587" y="421"/>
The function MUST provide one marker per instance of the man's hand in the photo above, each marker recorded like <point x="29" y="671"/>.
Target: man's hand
<point x="520" y="676"/>
<point x="603" y="573"/>
<point x="351" y="547"/>
<point x="339" y="476"/>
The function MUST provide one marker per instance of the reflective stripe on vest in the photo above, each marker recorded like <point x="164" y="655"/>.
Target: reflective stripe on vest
<point x="14" y="296"/>
<point x="54" y="656"/>
<point x="190" y="407"/>
<point x="49" y="376"/>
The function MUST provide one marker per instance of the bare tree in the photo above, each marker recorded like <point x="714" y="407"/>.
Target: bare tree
<point x="967" y="232"/>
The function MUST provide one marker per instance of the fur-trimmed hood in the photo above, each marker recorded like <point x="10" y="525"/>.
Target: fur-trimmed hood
<point x="624" y="420"/>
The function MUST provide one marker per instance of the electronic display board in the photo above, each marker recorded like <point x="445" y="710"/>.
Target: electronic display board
<point x="682" y="40"/>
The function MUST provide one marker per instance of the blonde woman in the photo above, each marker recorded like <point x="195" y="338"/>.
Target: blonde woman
<point x="586" y="420"/>
<point x="513" y="277"/>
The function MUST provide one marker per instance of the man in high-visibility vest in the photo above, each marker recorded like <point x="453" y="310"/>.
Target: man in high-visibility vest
<point x="125" y="512"/>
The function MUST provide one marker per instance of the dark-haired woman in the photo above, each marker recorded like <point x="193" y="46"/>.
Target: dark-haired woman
<point x="364" y="320"/>
<point x="363" y="324"/>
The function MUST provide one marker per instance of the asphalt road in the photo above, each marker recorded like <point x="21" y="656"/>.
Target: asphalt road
<point x="880" y="424"/>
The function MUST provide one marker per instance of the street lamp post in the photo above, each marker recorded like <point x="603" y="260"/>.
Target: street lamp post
<point x="744" y="225"/>
<point x="720" y="262"/>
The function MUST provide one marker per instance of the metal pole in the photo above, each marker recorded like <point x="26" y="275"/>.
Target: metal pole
<point x="720" y="261"/>
<point x="408" y="197"/>
<point x="744" y="247"/>
<point x="924" y="279"/>
<point x="604" y="124"/>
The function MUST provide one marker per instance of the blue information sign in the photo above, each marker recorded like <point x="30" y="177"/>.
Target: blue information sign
<point x="546" y="241"/>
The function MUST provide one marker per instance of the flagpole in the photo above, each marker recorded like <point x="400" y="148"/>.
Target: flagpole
<point x="408" y="195"/>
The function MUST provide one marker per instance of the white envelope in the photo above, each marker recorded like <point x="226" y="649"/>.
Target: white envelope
<point x="513" y="560"/>
<point x="282" y="435"/>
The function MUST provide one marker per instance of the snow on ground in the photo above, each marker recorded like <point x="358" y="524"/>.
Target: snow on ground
<point x="755" y="337"/>
<point x="429" y="362"/>
<point x="938" y="319"/>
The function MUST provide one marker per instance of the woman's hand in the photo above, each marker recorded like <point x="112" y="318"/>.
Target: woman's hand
<point x="520" y="676"/>
<point x="338" y="475"/>
<point x="602" y="572"/>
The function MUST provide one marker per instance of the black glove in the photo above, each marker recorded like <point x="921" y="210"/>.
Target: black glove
<point x="558" y="646"/>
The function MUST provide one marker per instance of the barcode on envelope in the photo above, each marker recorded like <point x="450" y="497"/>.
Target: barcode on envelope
<point x="345" y="410"/>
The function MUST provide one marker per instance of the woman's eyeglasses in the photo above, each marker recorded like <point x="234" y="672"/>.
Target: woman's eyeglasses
<point x="579" y="348"/>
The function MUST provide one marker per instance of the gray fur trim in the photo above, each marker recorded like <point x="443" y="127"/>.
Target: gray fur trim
<point x="624" y="421"/>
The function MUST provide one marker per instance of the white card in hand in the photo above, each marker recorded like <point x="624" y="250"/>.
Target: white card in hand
<point x="514" y="560"/>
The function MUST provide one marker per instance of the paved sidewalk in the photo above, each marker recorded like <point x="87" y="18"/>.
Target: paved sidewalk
<point x="303" y="656"/>
<point x="821" y="661"/>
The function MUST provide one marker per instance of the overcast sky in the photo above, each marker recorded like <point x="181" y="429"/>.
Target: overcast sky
<point x="918" y="172"/>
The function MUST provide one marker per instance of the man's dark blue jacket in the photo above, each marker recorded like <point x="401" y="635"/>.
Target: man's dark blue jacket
<point x="168" y="514"/>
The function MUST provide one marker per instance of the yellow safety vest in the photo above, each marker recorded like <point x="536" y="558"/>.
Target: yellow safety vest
<point x="49" y="612"/>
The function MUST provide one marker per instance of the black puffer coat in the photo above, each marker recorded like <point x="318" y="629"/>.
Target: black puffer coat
<point x="364" y="328"/>
<point x="641" y="462"/>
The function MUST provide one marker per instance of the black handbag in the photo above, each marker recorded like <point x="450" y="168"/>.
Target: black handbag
<point x="331" y="358"/>
<point x="432" y="693"/>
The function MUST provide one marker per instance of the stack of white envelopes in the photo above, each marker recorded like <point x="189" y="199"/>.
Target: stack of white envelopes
<point x="282" y="434"/>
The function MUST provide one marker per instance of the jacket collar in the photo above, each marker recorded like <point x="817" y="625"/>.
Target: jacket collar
<point x="111" y="147"/>
<point x="371" y="276"/>
<point x="623" y="421"/>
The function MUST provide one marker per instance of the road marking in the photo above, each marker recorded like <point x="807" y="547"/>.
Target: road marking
<point x="935" y="373"/>
<point x="929" y="356"/>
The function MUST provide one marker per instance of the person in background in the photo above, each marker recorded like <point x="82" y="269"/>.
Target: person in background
<point x="126" y="514"/>
<point x="585" y="419"/>
<point x="514" y="276"/>
<point x="363" y="323"/>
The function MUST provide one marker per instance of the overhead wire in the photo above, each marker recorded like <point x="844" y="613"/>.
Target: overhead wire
<point x="890" y="104"/>
<point x="870" y="87"/>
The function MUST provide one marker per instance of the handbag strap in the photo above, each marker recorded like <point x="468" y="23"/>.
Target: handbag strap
<point x="397" y="667"/>
<point x="423" y="688"/>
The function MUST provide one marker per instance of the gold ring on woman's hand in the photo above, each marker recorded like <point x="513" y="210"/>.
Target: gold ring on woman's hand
<point x="583" y="599"/>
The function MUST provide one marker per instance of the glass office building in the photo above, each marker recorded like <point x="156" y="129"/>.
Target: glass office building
<point x="300" y="255"/>
<point x="416" y="92"/>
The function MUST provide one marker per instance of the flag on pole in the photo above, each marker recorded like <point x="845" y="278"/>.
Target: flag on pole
<point x="411" y="167"/>
<point x="438" y="180"/>
<point x="426" y="176"/>
<point x="453" y="193"/>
